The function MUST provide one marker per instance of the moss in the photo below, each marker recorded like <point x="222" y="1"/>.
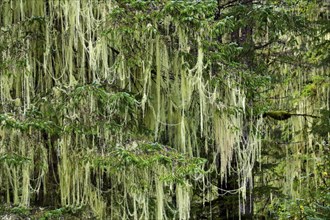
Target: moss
<point x="278" y="115"/>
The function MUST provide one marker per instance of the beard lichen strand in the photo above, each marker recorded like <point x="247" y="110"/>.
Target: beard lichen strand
<point x="183" y="200"/>
<point x="199" y="81"/>
<point x="226" y="140"/>
<point x="246" y="158"/>
<point x="15" y="181"/>
<point x="25" y="197"/>
<point x="12" y="168"/>
<point x="160" y="212"/>
<point x="187" y="89"/>
<point x="5" y="180"/>
<point x="63" y="171"/>
<point x="146" y="69"/>
<point x="158" y="83"/>
<point x="225" y="132"/>
<point x="6" y="84"/>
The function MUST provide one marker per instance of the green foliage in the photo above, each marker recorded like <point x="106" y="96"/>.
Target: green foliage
<point x="320" y="209"/>
<point x="13" y="159"/>
<point x="17" y="211"/>
<point x="148" y="156"/>
<point x="9" y="121"/>
<point x="194" y="13"/>
<point x="322" y="126"/>
<point x="60" y="213"/>
<point x="21" y="211"/>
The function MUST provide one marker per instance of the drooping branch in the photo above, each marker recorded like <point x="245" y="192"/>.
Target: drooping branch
<point x="284" y="115"/>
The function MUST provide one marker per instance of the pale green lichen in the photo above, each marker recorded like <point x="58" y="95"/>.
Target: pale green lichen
<point x="176" y="100"/>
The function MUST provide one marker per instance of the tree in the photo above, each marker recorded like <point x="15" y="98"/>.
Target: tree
<point x="144" y="109"/>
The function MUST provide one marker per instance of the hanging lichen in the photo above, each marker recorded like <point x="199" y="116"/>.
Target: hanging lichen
<point x="107" y="107"/>
<point x="74" y="71"/>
